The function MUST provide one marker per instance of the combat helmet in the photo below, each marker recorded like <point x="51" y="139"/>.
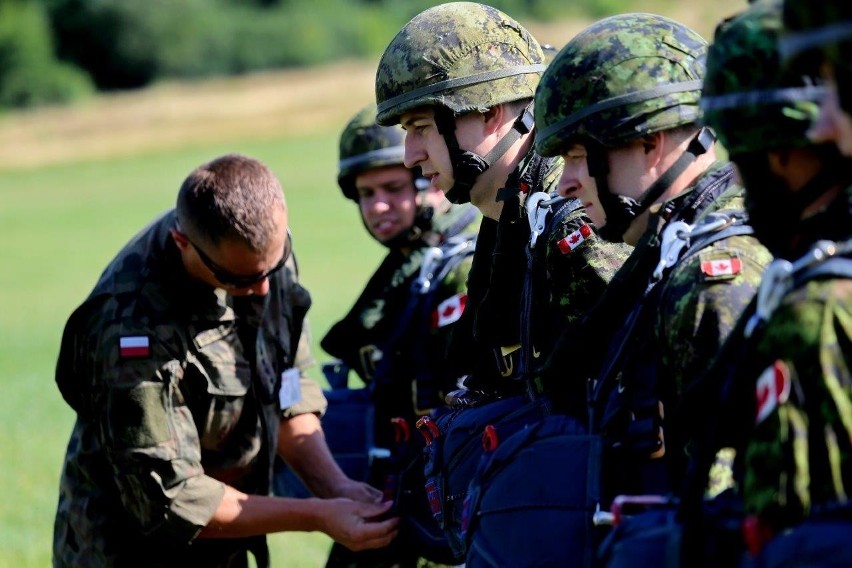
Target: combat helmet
<point x="752" y="101"/>
<point x="623" y="77"/>
<point x="821" y="31"/>
<point x="364" y="145"/>
<point x="459" y="57"/>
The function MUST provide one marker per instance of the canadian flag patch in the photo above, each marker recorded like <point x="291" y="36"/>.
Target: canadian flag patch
<point x="722" y="267"/>
<point x="772" y="389"/>
<point x="450" y="310"/>
<point x="574" y="240"/>
<point x="134" y="346"/>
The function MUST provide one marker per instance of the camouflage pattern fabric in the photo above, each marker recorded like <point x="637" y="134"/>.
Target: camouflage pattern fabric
<point x="703" y="303"/>
<point x="798" y="457"/>
<point x="749" y="98"/>
<point x="360" y="337"/>
<point x="574" y="280"/>
<point x="463" y="56"/>
<point x="170" y="405"/>
<point x="681" y="326"/>
<point x="619" y="79"/>
<point x="799" y="454"/>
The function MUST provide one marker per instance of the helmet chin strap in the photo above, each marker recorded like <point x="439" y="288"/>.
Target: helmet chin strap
<point x="468" y="166"/>
<point x="621" y="210"/>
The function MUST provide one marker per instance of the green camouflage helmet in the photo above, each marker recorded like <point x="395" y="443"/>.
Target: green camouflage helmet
<point x="619" y="79"/>
<point x="461" y="55"/>
<point x="822" y="25"/>
<point x="365" y="145"/>
<point x="749" y="99"/>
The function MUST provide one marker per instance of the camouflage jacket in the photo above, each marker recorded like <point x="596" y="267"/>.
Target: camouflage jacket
<point x="669" y="327"/>
<point x="170" y="405"/>
<point x="395" y="335"/>
<point x="562" y="282"/>
<point x="798" y="458"/>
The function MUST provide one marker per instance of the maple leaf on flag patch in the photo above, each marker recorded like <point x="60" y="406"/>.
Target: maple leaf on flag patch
<point x="450" y="310"/>
<point x="722" y="267"/>
<point x="574" y="240"/>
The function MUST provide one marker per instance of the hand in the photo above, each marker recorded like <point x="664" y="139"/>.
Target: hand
<point x="357" y="491"/>
<point x="349" y="523"/>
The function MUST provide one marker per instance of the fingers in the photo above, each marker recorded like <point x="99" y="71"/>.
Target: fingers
<point x="359" y="491"/>
<point x="376" y="534"/>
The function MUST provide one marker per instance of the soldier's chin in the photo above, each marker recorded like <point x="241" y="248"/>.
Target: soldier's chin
<point x="396" y="240"/>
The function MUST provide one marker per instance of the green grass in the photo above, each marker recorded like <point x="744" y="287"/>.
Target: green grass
<point x="59" y="226"/>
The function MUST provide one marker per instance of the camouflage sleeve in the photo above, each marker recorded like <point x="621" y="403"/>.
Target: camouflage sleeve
<point x="313" y="399"/>
<point x="580" y="264"/>
<point x="702" y="301"/>
<point x="798" y="454"/>
<point x="151" y="440"/>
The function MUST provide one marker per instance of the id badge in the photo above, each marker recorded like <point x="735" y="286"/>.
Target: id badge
<point x="291" y="389"/>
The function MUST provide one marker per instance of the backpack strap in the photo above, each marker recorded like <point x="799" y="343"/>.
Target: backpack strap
<point x="825" y="258"/>
<point x="545" y="212"/>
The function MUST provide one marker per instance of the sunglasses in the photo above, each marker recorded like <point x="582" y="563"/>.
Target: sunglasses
<point x="243" y="280"/>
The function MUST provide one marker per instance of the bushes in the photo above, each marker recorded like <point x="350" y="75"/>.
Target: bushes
<point x="30" y="75"/>
<point x="123" y="44"/>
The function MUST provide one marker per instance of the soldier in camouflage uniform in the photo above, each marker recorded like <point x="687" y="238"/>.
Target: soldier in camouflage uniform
<point x="185" y="368"/>
<point x="395" y="335"/>
<point x="460" y="78"/>
<point x="792" y="419"/>
<point x="822" y="33"/>
<point x="625" y="90"/>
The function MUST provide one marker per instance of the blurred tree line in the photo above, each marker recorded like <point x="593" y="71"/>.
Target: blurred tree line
<point x="55" y="51"/>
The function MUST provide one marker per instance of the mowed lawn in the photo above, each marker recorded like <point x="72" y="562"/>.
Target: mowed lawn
<point x="61" y="223"/>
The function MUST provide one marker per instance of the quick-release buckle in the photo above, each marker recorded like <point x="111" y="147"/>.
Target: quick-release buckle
<point x="645" y="431"/>
<point x="428" y="429"/>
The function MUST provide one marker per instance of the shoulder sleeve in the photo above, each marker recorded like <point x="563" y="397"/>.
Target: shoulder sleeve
<point x="150" y="438"/>
<point x="703" y="298"/>
<point x="580" y="264"/>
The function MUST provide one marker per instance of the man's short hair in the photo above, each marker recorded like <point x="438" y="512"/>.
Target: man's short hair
<point x="232" y="197"/>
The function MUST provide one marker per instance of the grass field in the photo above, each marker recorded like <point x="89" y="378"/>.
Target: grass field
<point x="76" y="183"/>
<point x="61" y="224"/>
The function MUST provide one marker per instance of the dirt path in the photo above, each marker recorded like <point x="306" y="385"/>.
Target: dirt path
<point x="179" y="114"/>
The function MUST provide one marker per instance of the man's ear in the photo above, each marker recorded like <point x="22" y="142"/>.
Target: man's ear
<point x="654" y="146"/>
<point x="649" y="143"/>
<point x="180" y="239"/>
<point x="493" y="117"/>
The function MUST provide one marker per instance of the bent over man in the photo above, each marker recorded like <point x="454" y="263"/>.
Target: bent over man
<point x="184" y="366"/>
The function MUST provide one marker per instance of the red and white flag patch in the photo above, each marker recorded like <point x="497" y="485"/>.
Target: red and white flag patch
<point x="450" y="310"/>
<point x="722" y="267"/>
<point x="574" y="240"/>
<point x="134" y="346"/>
<point x="772" y="389"/>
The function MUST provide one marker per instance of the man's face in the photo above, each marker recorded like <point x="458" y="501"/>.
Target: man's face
<point x="388" y="200"/>
<point x="233" y="266"/>
<point x="425" y="147"/>
<point x="576" y="182"/>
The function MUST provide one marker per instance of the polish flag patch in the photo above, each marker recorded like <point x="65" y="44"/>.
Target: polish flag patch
<point x="574" y="240"/>
<point x="722" y="267"/>
<point x="449" y="311"/>
<point x="134" y="346"/>
<point x="772" y="389"/>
